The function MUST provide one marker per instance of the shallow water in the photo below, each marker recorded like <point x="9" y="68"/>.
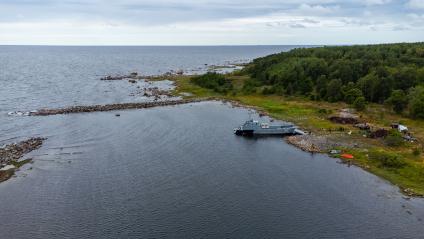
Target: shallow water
<point x="179" y="172"/>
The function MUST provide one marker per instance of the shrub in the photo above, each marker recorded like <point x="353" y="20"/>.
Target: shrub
<point x="398" y="101"/>
<point x="352" y="94"/>
<point x="388" y="160"/>
<point x="394" y="139"/>
<point x="416" y="152"/>
<point x="360" y="103"/>
<point x="324" y="111"/>
<point x="214" y="81"/>
<point x="250" y="85"/>
<point x="268" y="91"/>
<point x="416" y="102"/>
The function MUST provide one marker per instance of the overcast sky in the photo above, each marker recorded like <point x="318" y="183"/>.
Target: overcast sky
<point x="210" y="22"/>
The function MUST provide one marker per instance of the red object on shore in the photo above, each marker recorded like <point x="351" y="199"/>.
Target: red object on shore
<point x="347" y="156"/>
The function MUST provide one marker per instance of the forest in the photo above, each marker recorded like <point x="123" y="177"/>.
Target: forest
<point x="390" y="74"/>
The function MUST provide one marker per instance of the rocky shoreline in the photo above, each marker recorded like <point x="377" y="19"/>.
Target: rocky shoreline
<point x="11" y="153"/>
<point x="305" y="143"/>
<point x="111" y="107"/>
<point x="136" y="76"/>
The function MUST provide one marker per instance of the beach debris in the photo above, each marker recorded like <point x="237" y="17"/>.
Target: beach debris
<point x="347" y="156"/>
<point x="335" y="151"/>
<point x="401" y="128"/>
<point x="409" y="138"/>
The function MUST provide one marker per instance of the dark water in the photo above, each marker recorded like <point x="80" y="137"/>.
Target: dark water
<point x="179" y="172"/>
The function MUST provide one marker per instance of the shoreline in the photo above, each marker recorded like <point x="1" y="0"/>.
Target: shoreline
<point x="314" y="142"/>
<point x="11" y="154"/>
<point x="315" y="117"/>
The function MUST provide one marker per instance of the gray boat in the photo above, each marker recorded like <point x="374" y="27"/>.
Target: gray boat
<point x="251" y="128"/>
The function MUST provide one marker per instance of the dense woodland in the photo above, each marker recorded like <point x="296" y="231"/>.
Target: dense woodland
<point x="391" y="74"/>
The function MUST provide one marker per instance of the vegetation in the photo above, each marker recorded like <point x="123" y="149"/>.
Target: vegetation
<point x="417" y="102"/>
<point x="398" y="101"/>
<point x="291" y="86"/>
<point x="389" y="160"/>
<point x="360" y="103"/>
<point x="379" y="73"/>
<point x="214" y="81"/>
<point x="394" y="139"/>
<point x="21" y="163"/>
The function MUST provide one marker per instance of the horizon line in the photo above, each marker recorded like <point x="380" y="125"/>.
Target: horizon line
<point x="206" y="45"/>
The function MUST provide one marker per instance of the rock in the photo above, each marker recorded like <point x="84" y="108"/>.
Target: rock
<point x="7" y="167"/>
<point x="14" y="151"/>
<point x="379" y="133"/>
<point x="343" y="120"/>
<point x="112" y="107"/>
<point x="304" y="143"/>
<point x="363" y="126"/>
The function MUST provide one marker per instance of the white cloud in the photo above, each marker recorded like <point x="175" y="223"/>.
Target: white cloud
<point x="416" y="4"/>
<point x="317" y="9"/>
<point x="173" y="22"/>
<point x="376" y="2"/>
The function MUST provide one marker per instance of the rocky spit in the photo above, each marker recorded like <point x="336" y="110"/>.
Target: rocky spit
<point x="10" y="154"/>
<point x="15" y="151"/>
<point x="132" y="77"/>
<point x="111" y="107"/>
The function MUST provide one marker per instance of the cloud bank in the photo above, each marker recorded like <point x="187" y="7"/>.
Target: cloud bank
<point x="210" y="22"/>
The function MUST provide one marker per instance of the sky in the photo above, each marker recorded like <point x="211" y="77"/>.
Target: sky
<point x="210" y="22"/>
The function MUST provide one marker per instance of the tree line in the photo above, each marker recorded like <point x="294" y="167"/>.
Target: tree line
<point x="388" y="73"/>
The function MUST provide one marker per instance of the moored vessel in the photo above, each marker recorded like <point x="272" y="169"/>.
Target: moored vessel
<point x="253" y="127"/>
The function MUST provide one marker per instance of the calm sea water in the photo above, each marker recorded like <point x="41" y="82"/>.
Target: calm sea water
<point x="171" y="172"/>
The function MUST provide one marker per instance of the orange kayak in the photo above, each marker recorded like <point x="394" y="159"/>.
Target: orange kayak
<point x="347" y="156"/>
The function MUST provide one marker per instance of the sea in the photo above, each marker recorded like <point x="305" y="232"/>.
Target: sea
<point x="174" y="171"/>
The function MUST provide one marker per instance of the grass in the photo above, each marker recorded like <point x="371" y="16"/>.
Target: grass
<point x="21" y="163"/>
<point x="312" y="116"/>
